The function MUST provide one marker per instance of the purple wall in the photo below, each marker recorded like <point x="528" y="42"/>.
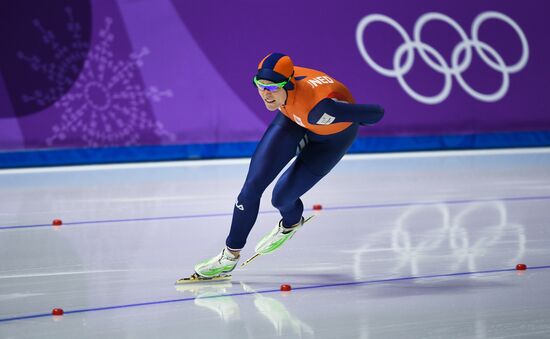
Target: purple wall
<point x="160" y="72"/>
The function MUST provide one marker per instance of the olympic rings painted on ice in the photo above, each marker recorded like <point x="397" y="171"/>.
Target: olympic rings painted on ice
<point x="436" y="62"/>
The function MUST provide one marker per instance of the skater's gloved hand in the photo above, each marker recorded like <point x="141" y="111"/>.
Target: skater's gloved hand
<point x="370" y="114"/>
<point x="329" y="111"/>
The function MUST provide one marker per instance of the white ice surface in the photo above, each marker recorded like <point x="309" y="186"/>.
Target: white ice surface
<point x="379" y="260"/>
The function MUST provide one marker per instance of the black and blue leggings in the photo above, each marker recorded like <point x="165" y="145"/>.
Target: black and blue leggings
<point x="318" y="155"/>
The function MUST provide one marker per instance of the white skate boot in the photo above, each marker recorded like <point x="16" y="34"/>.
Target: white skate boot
<point x="213" y="269"/>
<point x="221" y="264"/>
<point x="276" y="238"/>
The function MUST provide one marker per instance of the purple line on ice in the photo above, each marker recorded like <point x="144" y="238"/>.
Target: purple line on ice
<point x="351" y="283"/>
<point x="335" y="208"/>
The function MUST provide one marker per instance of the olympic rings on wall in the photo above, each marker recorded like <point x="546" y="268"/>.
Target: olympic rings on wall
<point x="436" y="62"/>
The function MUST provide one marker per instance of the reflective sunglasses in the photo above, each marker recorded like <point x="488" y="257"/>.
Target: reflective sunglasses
<point x="270" y="87"/>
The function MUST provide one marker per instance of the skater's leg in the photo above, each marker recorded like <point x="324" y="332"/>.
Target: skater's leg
<point x="296" y="180"/>
<point x="276" y="148"/>
<point x="316" y="160"/>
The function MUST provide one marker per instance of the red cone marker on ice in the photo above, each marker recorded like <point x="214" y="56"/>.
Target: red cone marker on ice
<point x="286" y="288"/>
<point x="521" y="267"/>
<point x="57" y="311"/>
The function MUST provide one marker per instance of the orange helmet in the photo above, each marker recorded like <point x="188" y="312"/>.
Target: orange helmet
<point x="277" y="67"/>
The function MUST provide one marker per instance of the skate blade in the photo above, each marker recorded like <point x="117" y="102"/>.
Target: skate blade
<point x="308" y="218"/>
<point x="195" y="278"/>
<point x="247" y="261"/>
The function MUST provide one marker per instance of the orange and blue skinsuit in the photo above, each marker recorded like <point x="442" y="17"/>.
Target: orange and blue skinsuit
<point x="324" y="106"/>
<point x="317" y="124"/>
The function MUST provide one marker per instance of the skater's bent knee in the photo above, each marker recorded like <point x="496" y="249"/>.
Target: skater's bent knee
<point x="277" y="200"/>
<point x="283" y="199"/>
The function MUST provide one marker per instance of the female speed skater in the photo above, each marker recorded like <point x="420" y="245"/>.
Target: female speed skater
<point x="317" y="122"/>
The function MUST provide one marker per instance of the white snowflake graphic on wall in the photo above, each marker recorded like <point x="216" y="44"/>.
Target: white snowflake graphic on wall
<point x="106" y="106"/>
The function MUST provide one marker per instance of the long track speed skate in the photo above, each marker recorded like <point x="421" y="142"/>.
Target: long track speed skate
<point x="195" y="278"/>
<point x="257" y="254"/>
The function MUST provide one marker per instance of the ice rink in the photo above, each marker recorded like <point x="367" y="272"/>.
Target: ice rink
<point x="407" y="245"/>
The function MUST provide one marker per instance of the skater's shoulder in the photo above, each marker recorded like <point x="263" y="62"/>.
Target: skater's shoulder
<point x="314" y="82"/>
<point x="302" y="72"/>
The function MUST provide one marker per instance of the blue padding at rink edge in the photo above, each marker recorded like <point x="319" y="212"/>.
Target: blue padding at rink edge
<point x="105" y="155"/>
<point x="83" y="156"/>
<point x="452" y="142"/>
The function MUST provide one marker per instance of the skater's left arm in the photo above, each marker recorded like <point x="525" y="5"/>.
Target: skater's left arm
<point x="329" y="111"/>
